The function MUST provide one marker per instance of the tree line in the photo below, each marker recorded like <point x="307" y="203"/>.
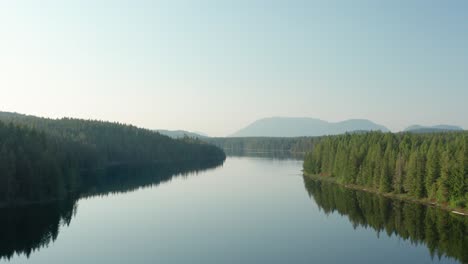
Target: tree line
<point x="42" y="159"/>
<point x="265" y="144"/>
<point x="423" y="166"/>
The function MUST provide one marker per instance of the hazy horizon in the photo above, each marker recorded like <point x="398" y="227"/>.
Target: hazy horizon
<point x="248" y="124"/>
<point x="216" y="67"/>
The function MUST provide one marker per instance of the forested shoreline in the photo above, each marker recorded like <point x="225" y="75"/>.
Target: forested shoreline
<point x="265" y="144"/>
<point x="43" y="159"/>
<point x="432" y="167"/>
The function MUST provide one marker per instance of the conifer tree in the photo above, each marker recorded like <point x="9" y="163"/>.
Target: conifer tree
<point x="457" y="181"/>
<point x="432" y="169"/>
<point x="385" y="185"/>
<point x="399" y="174"/>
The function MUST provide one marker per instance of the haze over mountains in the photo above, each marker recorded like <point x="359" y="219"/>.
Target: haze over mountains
<point x="297" y="127"/>
<point x="285" y="127"/>
<point x="181" y="133"/>
<point x="432" y="129"/>
<point x="304" y="126"/>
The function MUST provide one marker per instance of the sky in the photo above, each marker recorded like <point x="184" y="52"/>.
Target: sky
<point x="216" y="66"/>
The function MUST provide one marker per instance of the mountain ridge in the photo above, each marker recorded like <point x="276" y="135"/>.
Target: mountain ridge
<point x="181" y="133"/>
<point x="304" y="126"/>
<point x="432" y="129"/>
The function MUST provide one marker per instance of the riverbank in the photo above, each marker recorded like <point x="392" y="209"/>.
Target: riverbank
<point x="446" y="207"/>
<point x="135" y="174"/>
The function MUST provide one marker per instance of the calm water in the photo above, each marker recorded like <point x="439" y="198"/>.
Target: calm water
<point x="250" y="210"/>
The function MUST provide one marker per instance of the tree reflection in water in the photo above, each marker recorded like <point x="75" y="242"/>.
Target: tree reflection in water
<point x="443" y="233"/>
<point x="26" y="229"/>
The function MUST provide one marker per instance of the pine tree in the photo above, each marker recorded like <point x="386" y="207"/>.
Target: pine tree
<point x="443" y="190"/>
<point x="377" y="158"/>
<point x="420" y="190"/>
<point x="457" y="181"/>
<point x="432" y="170"/>
<point x="352" y="170"/>
<point x="409" y="183"/>
<point x="308" y="165"/>
<point x="399" y="174"/>
<point x="385" y="185"/>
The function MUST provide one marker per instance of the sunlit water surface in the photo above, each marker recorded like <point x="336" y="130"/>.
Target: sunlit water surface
<point x="250" y="210"/>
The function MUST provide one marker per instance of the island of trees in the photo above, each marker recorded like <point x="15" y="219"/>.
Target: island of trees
<point x="44" y="159"/>
<point x="429" y="167"/>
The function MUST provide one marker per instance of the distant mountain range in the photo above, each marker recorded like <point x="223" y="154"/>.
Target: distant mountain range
<point x="296" y="127"/>
<point x="282" y="127"/>
<point x="180" y="133"/>
<point x="432" y="129"/>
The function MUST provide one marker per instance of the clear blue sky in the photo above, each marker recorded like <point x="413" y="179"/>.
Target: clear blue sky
<point x="215" y="66"/>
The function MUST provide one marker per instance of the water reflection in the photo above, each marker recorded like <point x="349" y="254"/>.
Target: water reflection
<point x="28" y="228"/>
<point x="23" y="230"/>
<point x="121" y="179"/>
<point x="443" y="233"/>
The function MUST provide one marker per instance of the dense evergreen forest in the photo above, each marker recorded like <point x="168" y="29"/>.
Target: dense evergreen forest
<point x="265" y="144"/>
<point x="42" y="159"/>
<point x="441" y="232"/>
<point x="277" y="155"/>
<point x="423" y="166"/>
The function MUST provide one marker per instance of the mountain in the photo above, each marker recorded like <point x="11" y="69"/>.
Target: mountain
<point x="181" y="134"/>
<point x="296" y="127"/>
<point x="432" y="129"/>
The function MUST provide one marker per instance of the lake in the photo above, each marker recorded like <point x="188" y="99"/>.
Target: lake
<point x="249" y="210"/>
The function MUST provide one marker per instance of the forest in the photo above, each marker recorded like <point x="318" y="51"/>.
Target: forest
<point x="265" y="144"/>
<point x="433" y="166"/>
<point x="43" y="159"/>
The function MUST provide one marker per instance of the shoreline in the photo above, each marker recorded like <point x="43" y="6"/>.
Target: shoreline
<point x="76" y="193"/>
<point x="445" y="207"/>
